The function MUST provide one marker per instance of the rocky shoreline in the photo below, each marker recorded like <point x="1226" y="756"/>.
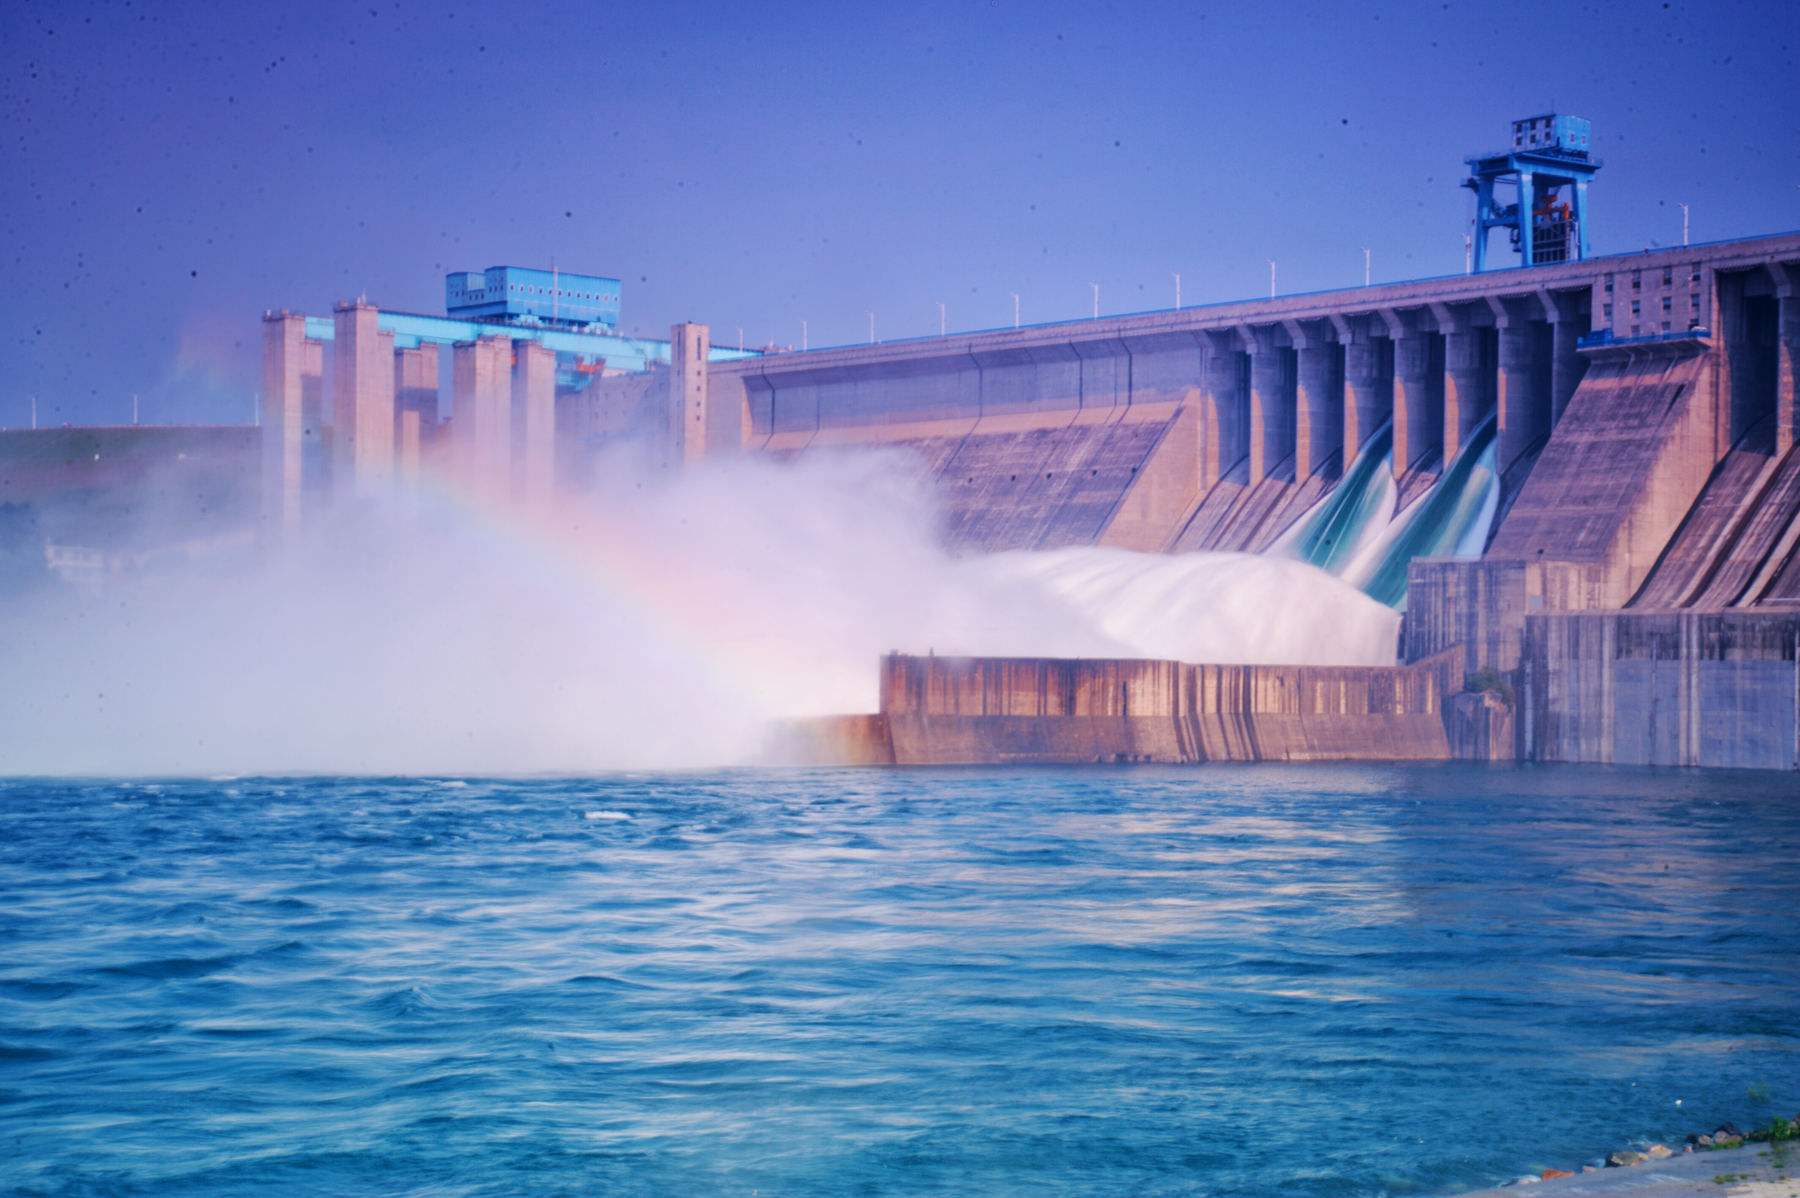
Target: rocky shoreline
<point x="1778" y="1132"/>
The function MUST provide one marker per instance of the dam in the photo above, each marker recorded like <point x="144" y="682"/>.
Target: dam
<point x="1575" y="476"/>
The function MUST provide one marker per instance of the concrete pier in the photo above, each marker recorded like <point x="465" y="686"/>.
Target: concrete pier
<point x="1418" y="398"/>
<point x="1225" y="396"/>
<point x="1272" y="404"/>
<point x="481" y="414"/>
<point x="362" y="400"/>
<point x="1467" y="377"/>
<point x="1319" y="399"/>
<point x="533" y="424"/>
<point x="1523" y="385"/>
<point x="1786" y="280"/>
<point x="290" y="415"/>
<point x="1368" y="397"/>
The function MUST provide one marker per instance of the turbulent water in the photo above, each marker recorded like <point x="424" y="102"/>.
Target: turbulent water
<point x="1234" y="608"/>
<point x="1252" y="981"/>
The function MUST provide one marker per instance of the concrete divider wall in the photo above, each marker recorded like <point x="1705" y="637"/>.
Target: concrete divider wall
<point x="1473" y="606"/>
<point x="943" y="710"/>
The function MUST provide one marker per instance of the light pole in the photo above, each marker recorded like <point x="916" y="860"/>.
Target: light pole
<point x="134" y="409"/>
<point x="940" y="318"/>
<point x="740" y="338"/>
<point x="1096" y="288"/>
<point x="803" y="336"/>
<point x="871" y="328"/>
<point x="34" y="411"/>
<point x="1366" y="261"/>
<point x="1271" y="278"/>
<point x="1015" y="296"/>
<point x="1178" y="291"/>
<point x="1684" y="224"/>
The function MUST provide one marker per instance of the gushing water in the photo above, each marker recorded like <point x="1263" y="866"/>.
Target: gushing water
<point x="1353" y="515"/>
<point x="1211" y="607"/>
<point x="1453" y="518"/>
<point x="663" y="622"/>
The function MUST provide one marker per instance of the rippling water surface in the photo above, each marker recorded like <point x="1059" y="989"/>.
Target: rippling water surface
<point x="1252" y="981"/>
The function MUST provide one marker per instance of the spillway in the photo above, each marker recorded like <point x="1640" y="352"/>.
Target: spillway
<point x="1354" y="514"/>
<point x="1453" y="519"/>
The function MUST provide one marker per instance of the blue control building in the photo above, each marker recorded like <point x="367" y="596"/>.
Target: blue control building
<point x="523" y="295"/>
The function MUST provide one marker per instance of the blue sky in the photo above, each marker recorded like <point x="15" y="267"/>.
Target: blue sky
<point x="171" y="170"/>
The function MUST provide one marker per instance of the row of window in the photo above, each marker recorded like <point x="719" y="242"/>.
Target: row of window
<point x="1668" y="305"/>
<point x="1668" y="278"/>
<point x="527" y="289"/>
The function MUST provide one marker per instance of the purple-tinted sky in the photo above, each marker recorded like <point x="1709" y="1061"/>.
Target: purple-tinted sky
<point x="171" y="170"/>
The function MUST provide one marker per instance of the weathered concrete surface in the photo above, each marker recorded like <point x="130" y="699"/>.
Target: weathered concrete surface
<point x="1712" y="526"/>
<point x="1474" y="606"/>
<point x="1750" y="1172"/>
<point x="1480" y="727"/>
<point x="1629" y="458"/>
<point x="1662" y="688"/>
<point x="965" y="710"/>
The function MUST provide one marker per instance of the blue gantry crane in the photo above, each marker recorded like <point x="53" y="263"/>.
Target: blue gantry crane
<point x="1549" y="166"/>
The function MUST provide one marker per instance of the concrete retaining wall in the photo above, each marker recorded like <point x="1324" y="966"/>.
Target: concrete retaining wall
<point x="962" y="710"/>
<point x="1662" y="688"/>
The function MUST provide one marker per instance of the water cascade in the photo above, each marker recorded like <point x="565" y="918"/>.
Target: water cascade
<point x="1213" y="607"/>
<point x="1353" y="514"/>
<point x="1453" y="519"/>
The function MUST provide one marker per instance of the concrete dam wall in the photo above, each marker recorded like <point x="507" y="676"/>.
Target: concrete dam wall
<point x="1497" y="454"/>
<point x="984" y="710"/>
<point x="1231" y="421"/>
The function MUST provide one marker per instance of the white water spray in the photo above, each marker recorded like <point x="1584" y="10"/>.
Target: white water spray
<point x="690" y="612"/>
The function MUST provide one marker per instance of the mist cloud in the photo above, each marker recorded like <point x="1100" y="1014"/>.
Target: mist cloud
<point x="660" y="621"/>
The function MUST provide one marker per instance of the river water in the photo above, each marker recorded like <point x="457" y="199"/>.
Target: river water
<point x="1245" y="981"/>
